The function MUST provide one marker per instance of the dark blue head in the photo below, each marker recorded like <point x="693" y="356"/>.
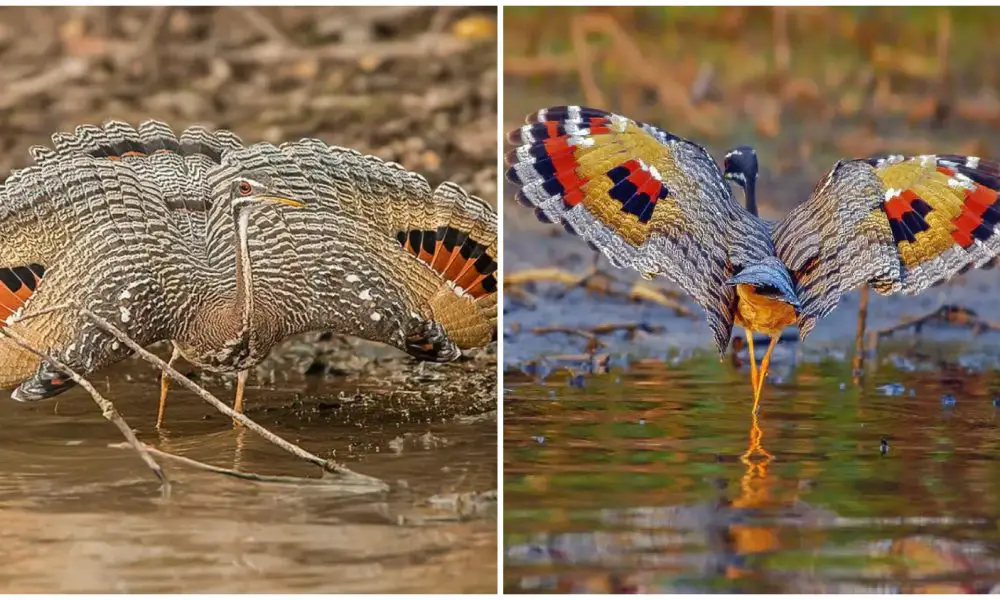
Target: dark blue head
<point x="769" y="277"/>
<point x="740" y="167"/>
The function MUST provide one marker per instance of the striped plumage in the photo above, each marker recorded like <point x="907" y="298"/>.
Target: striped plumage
<point x="143" y="228"/>
<point x="655" y="202"/>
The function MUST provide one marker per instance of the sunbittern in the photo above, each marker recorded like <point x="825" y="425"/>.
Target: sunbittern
<point x="658" y="203"/>
<point x="226" y="249"/>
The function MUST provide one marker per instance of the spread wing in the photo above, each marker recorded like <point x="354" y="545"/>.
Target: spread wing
<point x="646" y="198"/>
<point x="899" y="223"/>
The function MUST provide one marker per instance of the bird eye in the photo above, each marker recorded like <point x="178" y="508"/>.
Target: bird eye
<point x="244" y="188"/>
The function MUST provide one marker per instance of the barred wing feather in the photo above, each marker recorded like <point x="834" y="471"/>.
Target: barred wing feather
<point x="900" y="223"/>
<point x="646" y="198"/>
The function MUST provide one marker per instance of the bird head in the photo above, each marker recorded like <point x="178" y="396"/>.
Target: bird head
<point x="740" y="166"/>
<point x="770" y="278"/>
<point x="252" y="190"/>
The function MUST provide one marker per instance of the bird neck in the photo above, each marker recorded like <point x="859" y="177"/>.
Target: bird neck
<point x="751" y="196"/>
<point x="243" y="303"/>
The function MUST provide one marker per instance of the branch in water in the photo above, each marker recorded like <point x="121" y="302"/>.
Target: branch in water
<point x="329" y="466"/>
<point x="348" y="486"/>
<point x="107" y="408"/>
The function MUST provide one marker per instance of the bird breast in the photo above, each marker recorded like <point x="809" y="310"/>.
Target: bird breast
<point x="758" y="312"/>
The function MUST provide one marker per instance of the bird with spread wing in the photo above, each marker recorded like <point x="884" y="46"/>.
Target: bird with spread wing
<point x="658" y="203"/>
<point x="225" y="249"/>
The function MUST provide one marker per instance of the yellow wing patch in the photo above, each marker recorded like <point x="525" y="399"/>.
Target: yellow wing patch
<point x="922" y="203"/>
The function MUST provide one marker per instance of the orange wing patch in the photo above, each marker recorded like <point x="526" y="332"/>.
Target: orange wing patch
<point x="17" y="284"/>
<point x="934" y="203"/>
<point x="459" y="259"/>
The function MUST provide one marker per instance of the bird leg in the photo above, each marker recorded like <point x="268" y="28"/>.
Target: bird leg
<point x="241" y="382"/>
<point x="165" y="387"/>
<point x="753" y="362"/>
<point x="764" y="364"/>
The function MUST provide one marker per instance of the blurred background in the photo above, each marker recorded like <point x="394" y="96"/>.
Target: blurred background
<point x="807" y="86"/>
<point x="402" y="83"/>
<point x="413" y="85"/>
<point x="631" y="460"/>
<point x="804" y="86"/>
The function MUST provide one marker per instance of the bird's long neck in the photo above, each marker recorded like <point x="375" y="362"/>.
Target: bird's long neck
<point x="751" y="196"/>
<point x="243" y="302"/>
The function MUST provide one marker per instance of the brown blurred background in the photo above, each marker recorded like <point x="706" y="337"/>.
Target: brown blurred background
<point x="414" y="85"/>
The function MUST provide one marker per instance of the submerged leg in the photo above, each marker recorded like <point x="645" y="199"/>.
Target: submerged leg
<point x="241" y="383"/>
<point x="764" y="364"/>
<point x="165" y="387"/>
<point x="753" y="361"/>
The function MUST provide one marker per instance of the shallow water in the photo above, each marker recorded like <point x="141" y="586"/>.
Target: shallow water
<point x="640" y="481"/>
<point x="78" y="515"/>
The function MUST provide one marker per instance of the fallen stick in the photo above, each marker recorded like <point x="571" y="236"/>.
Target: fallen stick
<point x="949" y="313"/>
<point x="107" y="409"/>
<point x="595" y="281"/>
<point x="201" y="466"/>
<point x="325" y="464"/>
<point x="329" y="466"/>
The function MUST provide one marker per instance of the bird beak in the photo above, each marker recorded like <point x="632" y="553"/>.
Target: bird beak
<point x="284" y="200"/>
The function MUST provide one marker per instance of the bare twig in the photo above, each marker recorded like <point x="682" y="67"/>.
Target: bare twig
<point x="595" y="281"/>
<point x="107" y="408"/>
<point x="641" y="69"/>
<point x="583" y="54"/>
<point x="358" y="487"/>
<point x="326" y="465"/>
<point x="16" y="92"/>
<point x="423" y="46"/>
<point x="601" y="329"/>
<point x="264" y="25"/>
<point x="949" y="313"/>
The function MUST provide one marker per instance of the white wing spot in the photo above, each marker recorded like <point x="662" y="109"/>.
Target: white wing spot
<point x="365" y="294"/>
<point x="972" y="162"/>
<point x="352" y="278"/>
<point x="376" y="317"/>
<point x="124" y="314"/>
<point x="892" y="193"/>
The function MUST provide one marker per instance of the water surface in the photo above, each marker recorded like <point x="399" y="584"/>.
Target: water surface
<point x="78" y="515"/>
<point x="656" y="479"/>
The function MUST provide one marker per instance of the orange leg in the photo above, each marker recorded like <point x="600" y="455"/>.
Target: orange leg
<point x="164" y="388"/>
<point x="753" y="361"/>
<point x="764" y="364"/>
<point x="241" y="382"/>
